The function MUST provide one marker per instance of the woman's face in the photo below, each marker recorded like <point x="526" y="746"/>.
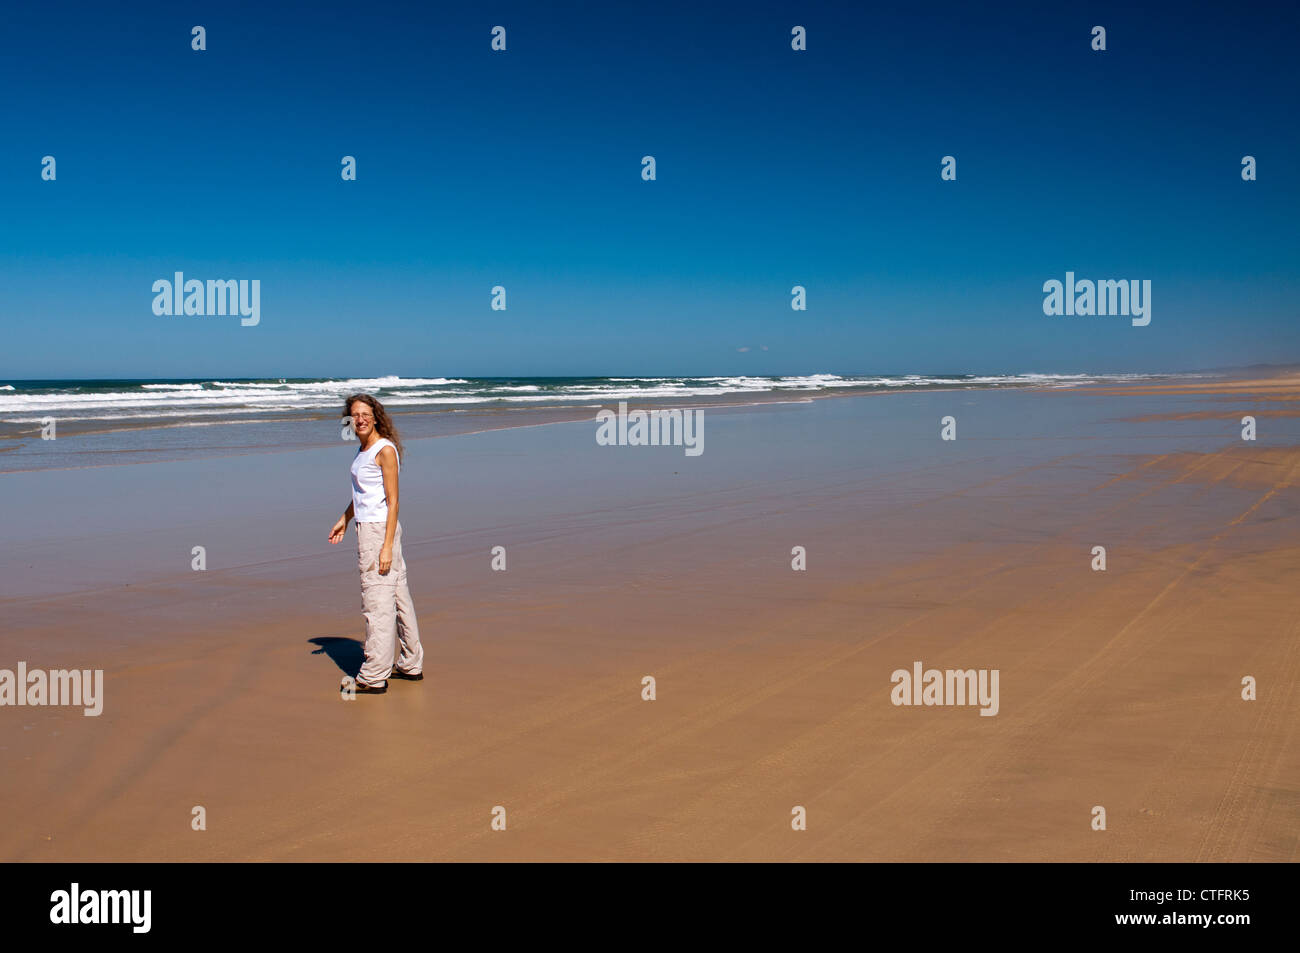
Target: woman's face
<point x="363" y="419"/>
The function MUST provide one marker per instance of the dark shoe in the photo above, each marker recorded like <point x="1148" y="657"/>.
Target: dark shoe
<point x="406" y="676"/>
<point x="360" y="689"/>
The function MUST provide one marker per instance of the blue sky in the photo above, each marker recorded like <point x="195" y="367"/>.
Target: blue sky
<point x="522" y="169"/>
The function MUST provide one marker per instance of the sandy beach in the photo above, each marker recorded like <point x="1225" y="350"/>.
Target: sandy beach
<point x="1119" y="688"/>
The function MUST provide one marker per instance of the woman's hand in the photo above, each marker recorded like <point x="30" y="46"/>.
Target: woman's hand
<point x="385" y="559"/>
<point x="339" y="531"/>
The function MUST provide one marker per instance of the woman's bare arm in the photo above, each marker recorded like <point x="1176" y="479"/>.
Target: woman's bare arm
<point x="387" y="460"/>
<point x="340" y="528"/>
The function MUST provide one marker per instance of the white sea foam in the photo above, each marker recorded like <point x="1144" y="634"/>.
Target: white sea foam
<point x="238" y="399"/>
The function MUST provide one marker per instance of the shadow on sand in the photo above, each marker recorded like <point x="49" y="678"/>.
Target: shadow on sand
<point x="346" y="653"/>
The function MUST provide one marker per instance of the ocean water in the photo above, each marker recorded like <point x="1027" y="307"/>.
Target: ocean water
<point x="108" y="422"/>
<point x="860" y="476"/>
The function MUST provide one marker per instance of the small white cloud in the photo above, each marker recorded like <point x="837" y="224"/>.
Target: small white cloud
<point x="742" y="350"/>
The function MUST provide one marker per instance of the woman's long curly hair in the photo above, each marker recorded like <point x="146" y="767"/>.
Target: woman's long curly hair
<point x="383" y="424"/>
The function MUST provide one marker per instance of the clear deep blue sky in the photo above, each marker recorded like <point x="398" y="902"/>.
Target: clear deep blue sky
<point x="522" y="168"/>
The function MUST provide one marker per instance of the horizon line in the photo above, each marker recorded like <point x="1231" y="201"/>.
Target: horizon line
<point x="324" y="377"/>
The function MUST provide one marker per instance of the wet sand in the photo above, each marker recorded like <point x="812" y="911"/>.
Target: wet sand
<point x="1119" y="688"/>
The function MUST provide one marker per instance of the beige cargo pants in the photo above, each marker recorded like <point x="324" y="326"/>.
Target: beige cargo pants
<point x="387" y="608"/>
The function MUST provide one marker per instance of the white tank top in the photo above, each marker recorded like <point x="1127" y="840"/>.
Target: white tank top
<point x="369" y="504"/>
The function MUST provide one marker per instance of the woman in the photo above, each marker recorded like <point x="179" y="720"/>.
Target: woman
<point x="385" y="599"/>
